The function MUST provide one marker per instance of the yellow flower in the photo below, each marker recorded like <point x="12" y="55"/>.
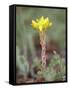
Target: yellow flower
<point x="41" y="24"/>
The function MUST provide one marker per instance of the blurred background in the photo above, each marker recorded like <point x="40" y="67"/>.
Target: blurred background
<point x="28" y="49"/>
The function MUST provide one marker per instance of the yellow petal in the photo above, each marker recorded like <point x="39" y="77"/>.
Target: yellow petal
<point x="34" y="24"/>
<point x="42" y="19"/>
<point x="50" y="24"/>
<point x="40" y="28"/>
<point x="37" y="20"/>
<point x="47" y="21"/>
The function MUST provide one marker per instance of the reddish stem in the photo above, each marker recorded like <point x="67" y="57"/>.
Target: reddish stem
<point x="43" y="48"/>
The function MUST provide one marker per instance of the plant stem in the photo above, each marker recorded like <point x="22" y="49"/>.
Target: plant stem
<point x="43" y="49"/>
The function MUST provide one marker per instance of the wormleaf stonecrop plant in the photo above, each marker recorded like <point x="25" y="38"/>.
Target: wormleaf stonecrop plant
<point x="41" y="25"/>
